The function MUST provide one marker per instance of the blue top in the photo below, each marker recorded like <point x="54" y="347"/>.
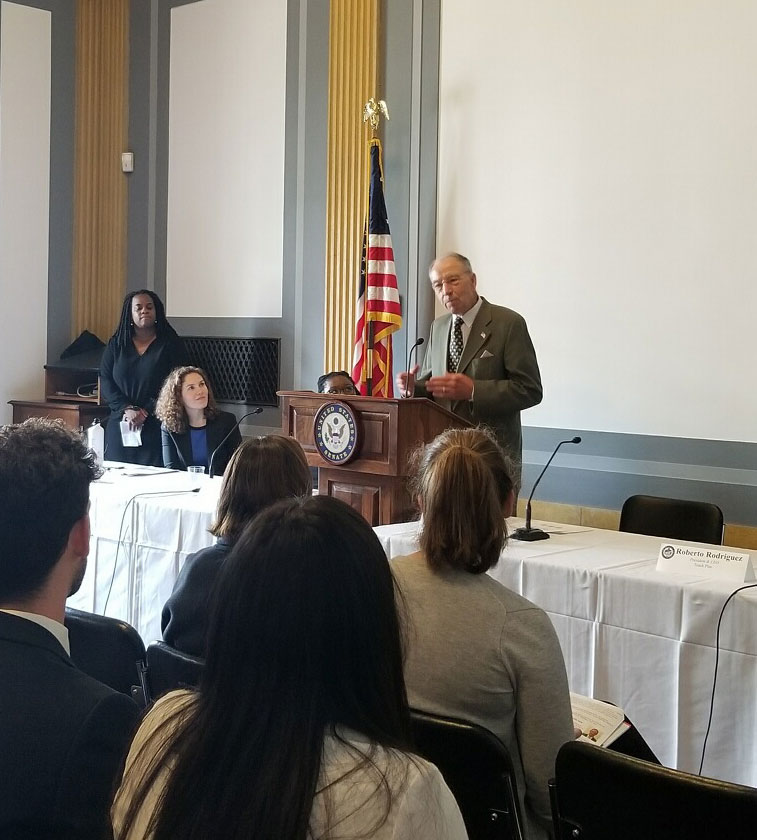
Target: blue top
<point x="199" y="438"/>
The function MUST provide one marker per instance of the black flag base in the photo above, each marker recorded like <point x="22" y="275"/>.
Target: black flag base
<point x="529" y="534"/>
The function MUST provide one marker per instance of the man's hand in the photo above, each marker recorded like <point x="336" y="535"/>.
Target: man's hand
<point x="405" y="381"/>
<point x="135" y="417"/>
<point x="451" y="386"/>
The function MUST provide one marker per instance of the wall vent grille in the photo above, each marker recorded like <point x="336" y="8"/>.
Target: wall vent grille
<point x="241" y="370"/>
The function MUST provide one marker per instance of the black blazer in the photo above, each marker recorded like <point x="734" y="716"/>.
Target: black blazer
<point x="64" y="738"/>
<point x="185" y="616"/>
<point x="177" y="448"/>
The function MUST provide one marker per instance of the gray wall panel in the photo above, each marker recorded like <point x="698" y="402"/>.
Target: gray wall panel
<point x="606" y="468"/>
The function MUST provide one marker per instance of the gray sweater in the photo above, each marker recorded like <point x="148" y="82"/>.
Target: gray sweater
<point x="478" y="651"/>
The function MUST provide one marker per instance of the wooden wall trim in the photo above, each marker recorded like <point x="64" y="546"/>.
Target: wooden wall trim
<point x="100" y="188"/>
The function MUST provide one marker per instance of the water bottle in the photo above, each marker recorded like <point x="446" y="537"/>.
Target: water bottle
<point x="96" y="440"/>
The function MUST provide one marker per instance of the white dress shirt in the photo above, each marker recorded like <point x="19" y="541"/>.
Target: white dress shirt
<point x="468" y="318"/>
<point x="55" y="627"/>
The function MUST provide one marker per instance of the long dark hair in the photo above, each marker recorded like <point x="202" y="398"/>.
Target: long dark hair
<point x="304" y="639"/>
<point x="125" y="328"/>
<point x="462" y="481"/>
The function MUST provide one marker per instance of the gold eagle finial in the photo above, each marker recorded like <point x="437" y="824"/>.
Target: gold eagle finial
<point x="373" y="111"/>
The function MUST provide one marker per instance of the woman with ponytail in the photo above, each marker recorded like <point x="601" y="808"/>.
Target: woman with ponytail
<point x="476" y="650"/>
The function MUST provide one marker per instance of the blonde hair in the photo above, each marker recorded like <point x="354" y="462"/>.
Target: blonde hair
<point x="169" y="408"/>
<point x="462" y="481"/>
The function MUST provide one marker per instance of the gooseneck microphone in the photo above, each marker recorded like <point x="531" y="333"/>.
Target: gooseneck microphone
<point x="409" y="357"/>
<point x="257" y="410"/>
<point x="529" y="534"/>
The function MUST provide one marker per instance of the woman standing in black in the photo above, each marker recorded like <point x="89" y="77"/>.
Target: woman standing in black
<point x="141" y="353"/>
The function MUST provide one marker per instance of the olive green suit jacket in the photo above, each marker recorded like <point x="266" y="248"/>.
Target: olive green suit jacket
<point x="500" y="359"/>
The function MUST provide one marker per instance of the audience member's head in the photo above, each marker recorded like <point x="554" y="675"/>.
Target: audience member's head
<point x="304" y="641"/>
<point x="307" y="600"/>
<point x="462" y="482"/>
<point x="261" y="471"/>
<point x="181" y="390"/>
<point x="45" y="473"/>
<point x="337" y="382"/>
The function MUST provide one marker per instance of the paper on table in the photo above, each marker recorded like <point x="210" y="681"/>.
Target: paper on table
<point x="145" y="470"/>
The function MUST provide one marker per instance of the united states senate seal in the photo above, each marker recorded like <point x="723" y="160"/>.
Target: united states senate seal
<point x="335" y="432"/>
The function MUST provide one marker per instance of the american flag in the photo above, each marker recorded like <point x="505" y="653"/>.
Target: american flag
<point x="378" y="305"/>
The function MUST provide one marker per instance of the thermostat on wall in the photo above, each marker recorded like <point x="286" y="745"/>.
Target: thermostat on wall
<point x="127" y="161"/>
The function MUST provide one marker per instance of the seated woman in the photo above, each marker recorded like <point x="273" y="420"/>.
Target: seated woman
<point x="477" y="650"/>
<point x="194" y="430"/>
<point x="337" y="382"/>
<point x="300" y="725"/>
<point x="263" y="470"/>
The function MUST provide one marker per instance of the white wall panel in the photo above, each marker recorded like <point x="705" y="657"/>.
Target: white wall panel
<point x="226" y="159"/>
<point x="24" y="201"/>
<point x="598" y="165"/>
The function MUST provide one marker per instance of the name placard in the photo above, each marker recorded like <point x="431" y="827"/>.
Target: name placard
<point x="711" y="562"/>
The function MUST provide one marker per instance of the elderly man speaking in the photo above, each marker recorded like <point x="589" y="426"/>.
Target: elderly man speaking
<point x="480" y="362"/>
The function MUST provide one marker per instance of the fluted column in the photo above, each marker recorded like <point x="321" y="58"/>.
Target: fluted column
<point x="352" y="81"/>
<point x="100" y="188"/>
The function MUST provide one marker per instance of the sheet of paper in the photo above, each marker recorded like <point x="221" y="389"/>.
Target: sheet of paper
<point x="130" y="437"/>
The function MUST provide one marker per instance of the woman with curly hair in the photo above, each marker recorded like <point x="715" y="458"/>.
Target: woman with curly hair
<point x="138" y="357"/>
<point x="193" y="427"/>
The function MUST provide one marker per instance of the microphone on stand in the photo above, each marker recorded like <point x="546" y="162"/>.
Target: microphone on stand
<point x="258" y="410"/>
<point x="409" y="356"/>
<point x="529" y="534"/>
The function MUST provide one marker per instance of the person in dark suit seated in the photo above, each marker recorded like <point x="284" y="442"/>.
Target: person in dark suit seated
<point x="260" y="472"/>
<point x="300" y="727"/>
<point x="63" y="734"/>
<point x="337" y="382"/>
<point x="193" y="428"/>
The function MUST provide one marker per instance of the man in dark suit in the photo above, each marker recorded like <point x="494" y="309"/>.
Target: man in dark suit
<point x="480" y="362"/>
<point x="63" y="734"/>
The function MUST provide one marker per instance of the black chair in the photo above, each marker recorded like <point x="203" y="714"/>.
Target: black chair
<point x="106" y="648"/>
<point x="673" y="519"/>
<point x="477" y="769"/>
<point x="169" y="669"/>
<point x="598" y="794"/>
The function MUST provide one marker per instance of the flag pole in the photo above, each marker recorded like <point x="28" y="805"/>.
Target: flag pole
<point x="369" y="329"/>
<point x="372" y="112"/>
<point x="378" y="312"/>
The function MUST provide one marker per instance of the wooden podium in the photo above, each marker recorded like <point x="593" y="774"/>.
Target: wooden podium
<point x="374" y="481"/>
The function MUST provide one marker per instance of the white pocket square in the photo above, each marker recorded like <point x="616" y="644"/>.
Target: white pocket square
<point x="486" y="355"/>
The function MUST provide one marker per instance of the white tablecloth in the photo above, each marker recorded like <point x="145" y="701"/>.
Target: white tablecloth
<point x="642" y="639"/>
<point x="137" y="547"/>
<point x="629" y="634"/>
